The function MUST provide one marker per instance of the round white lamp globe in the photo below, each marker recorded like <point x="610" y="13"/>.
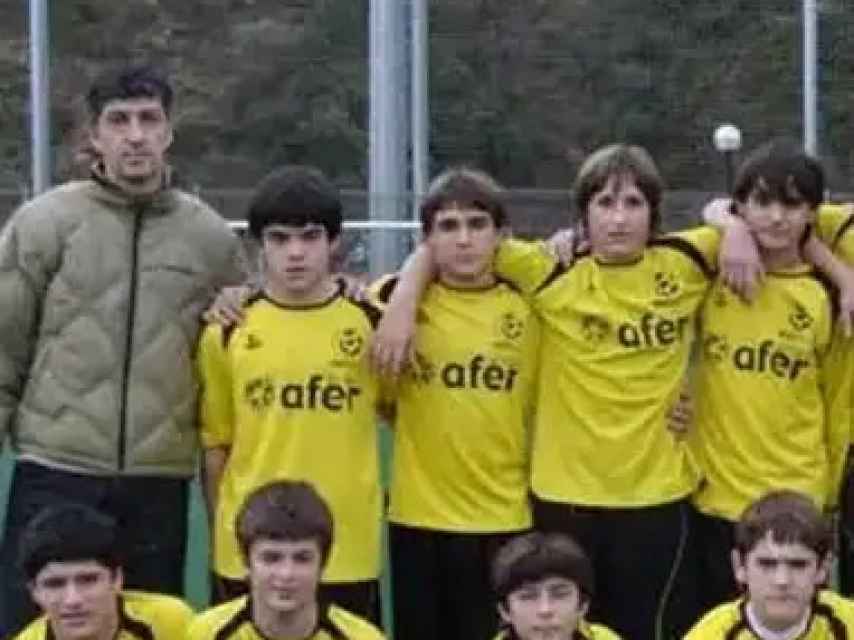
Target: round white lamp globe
<point x="727" y="138"/>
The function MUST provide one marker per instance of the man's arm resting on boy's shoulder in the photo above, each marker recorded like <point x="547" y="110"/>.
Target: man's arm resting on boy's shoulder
<point x="739" y="262"/>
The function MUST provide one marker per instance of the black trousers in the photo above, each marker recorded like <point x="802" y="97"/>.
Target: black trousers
<point x="151" y="513"/>
<point x="361" y="598"/>
<point x="713" y="542"/>
<point x="645" y="589"/>
<point x="440" y="583"/>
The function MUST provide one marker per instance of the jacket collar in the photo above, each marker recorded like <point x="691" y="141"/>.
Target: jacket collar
<point x="161" y="201"/>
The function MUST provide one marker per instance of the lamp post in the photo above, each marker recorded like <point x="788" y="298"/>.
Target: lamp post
<point x="727" y="141"/>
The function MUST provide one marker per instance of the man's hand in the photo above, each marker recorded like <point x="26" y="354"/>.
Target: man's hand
<point x="227" y="308"/>
<point x="846" y="304"/>
<point x="681" y="415"/>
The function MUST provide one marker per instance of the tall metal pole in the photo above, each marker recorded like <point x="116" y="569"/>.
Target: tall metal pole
<point x="387" y="138"/>
<point x="420" y="100"/>
<point x="39" y="95"/>
<point x="810" y="75"/>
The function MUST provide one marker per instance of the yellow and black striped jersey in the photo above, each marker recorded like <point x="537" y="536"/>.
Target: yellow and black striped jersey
<point x="772" y="402"/>
<point x="142" y="616"/>
<point x="832" y="619"/>
<point x="461" y="448"/>
<point x="614" y="349"/>
<point x="289" y="393"/>
<point x="233" y="621"/>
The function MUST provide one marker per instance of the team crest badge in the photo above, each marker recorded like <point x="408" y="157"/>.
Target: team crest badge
<point x="349" y="342"/>
<point x="259" y="393"/>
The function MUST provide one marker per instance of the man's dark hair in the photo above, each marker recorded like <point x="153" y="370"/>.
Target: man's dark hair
<point x="68" y="533"/>
<point x="285" y="510"/>
<point x="536" y="556"/>
<point x="620" y="161"/>
<point x="466" y="188"/>
<point x="780" y="171"/>
<point x="295" y="195"/>
<point x="140" y="81"/>
<point x="790" y="517"/>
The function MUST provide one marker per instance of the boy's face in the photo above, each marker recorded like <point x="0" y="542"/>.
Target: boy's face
<point x="80" y="599"/>
<point x="549" y="609"/>
<point x="297" y="258"/>
<point x="781" y="580"/>
<point x="463" y="242"/>
<point x="284" y="575"/>
<point x="132" y="137"/>
<point x="776" y="225"/>
<point x="618" y="220"/>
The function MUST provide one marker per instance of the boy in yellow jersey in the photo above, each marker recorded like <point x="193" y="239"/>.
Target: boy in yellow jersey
<point x="772" y="393"/>
<point x="781" y="559"/>
<point x="617" y="328"/>
<point x="544" y="584"/>
<point x="461" y="449"/>
<point x="285" y="532"/>
<point x="71" y="557"/>
<point x="287" y="393"/>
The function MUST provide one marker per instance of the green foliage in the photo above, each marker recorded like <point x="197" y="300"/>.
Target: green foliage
<point x="522" y="89"/>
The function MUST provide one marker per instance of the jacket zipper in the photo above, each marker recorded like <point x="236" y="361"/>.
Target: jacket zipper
<point x="134" y="258"/>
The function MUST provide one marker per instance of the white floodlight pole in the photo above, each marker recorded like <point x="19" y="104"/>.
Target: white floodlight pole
<point x="39" y="96"/>
<point x="810" y="76"/>
<point x="727" y="141"/>
<point x="420" y="100"/>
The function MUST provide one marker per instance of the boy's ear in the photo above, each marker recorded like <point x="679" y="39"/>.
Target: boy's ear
<point x="503" y="614"/>
<point x="738" y="568"/>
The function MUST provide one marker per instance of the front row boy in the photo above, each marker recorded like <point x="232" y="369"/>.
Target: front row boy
<point x="781" y="560"/>
<point x="544" y="583"/>
<point x="71" y="558"/>
<point x="285" y="534"/>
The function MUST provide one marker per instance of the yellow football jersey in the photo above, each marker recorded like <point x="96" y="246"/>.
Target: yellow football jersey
<point x="233" y="621"/>
<point x="772" y="405"/>
<point x="143" y="616"/>
<point x="835" y="227"/>
<point x="289" y="392"/>
<point x="615" y="344"/>
<point x="461" y="447"/>
<point x="586" y="631"/>
<point x="729" y="621"/>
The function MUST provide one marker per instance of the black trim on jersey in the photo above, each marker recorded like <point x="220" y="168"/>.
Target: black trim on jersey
<point x="837" y="627"/>
<point x="680" y="244"/>
<point x="374" y="315"/>
<point x="557" y="272"/>
<point x="243" y="616"/>
<point x="339" y="292"/>
<point x="387" y="288"/>
<point x="832" y="293"/>
<point x="507" y="632"/>
<point x="843" y="229"/>
<point x="228" y="331"/>
<point x="511" y="285"/>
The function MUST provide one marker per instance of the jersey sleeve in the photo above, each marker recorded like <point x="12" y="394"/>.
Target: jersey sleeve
<point x="837" y="370"/>
<point x="704" y="242"/>
<point x="216" y="407"/>
<point x="835" y="227"/>
<point x="173" y="619"/>
<point x="528" y="265"/>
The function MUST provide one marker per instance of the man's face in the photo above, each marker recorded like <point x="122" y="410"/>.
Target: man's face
<point x="781" y="580"/>
<point x="618" y="220"/>
<point x="284" y="575"/>
<point x="463" y="242"/>
<point x="550" y="609"/>
<point x="297" y="259"/>
<point x="776" y="225"/>
<point x="80" y="599"/>
<point x="132" y="137"/>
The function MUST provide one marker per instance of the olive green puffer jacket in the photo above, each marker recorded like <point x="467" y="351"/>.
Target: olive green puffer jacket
<point x="101" y="296"/>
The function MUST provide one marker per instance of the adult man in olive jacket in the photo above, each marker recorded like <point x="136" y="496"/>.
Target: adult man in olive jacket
<point x="102" y="286"/>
